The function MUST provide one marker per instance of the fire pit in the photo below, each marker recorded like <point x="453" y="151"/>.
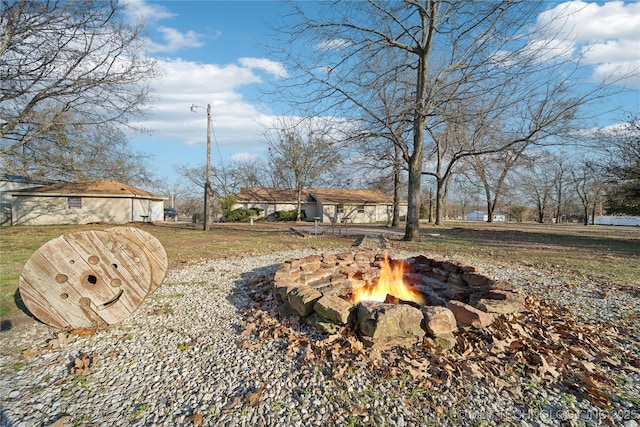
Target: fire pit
<point x="393" y="302"/>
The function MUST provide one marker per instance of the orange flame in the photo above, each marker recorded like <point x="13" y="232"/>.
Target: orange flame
<point x="390" y="282"/>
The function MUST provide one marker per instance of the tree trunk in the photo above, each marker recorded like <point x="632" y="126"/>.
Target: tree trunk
<point x="412" y="229"/>
<point x="430" y="205"/>
<point x="299" y="207"/>
<point x="540" y="212"/>
<point x="395" y="220"/>
<point x="439" y="200"/>
<point x="559" y="206"/>
<point x="490" y="212"/>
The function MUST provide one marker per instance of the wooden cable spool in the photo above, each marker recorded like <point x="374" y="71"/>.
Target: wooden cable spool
<point x="88" y="279"/>
<point x="154" y="250"/>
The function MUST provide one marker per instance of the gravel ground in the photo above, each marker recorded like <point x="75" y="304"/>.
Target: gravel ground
<point x="185" y="357"/>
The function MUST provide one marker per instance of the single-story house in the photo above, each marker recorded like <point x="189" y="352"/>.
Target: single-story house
<point x="85" y="202"/>
<point x="483" y="216"/>
<point x="9" y="183"/>
<point x="332" y="205"/>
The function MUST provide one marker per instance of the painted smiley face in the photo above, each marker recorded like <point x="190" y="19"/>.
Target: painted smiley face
<point x="85" y="279"/>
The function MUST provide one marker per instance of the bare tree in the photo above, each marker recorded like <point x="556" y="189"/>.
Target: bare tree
<point x="227" y="179"/>
<point x="520" y="212"/>
<point x="472" y="67"/>
<point x="537" y="183"/>
<point x="620" y="146"/>
<point x="172" y="189"/>
<point x="387" y="121"/>
<point x="97" y="152"/>
<point x="379" y="166"/>
<point x="492" y="171"/>
<point x="302" y="154"/>
<point x="560" y="181"/>
<point x="67" y="68"/>
<point x="590" y="187"/>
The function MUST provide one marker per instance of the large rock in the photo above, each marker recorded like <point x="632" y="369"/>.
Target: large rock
<point x="477" y="281"/>
<point x="303" y="298"/>
<point x="321" y="324"/>
<point x="283" y="272"/>
<point x="467" y="315"/>
<point x="281" y="289"/>
<point x="501" y="294"/>
<point x="444" y="341"/>
<point x="383" y="326"/>
<point x="334" y="308"/>
<point x="439" y="321"/>
<point x="504" y="306"/>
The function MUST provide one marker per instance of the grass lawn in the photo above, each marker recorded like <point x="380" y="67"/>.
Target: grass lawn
<point x="610" y="254"/>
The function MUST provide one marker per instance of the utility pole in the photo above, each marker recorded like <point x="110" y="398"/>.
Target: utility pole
<point x="207" y="184"/>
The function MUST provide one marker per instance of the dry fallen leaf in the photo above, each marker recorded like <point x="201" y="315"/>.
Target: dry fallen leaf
<point x="83" y="331"/>
<point x="62" y="422"/>
<point x="245" y="344"/>
<point x="254" y="398"/>
<point x="235" y="402"/>
<point x="196" y="419"/>
<point x="248" y="330"/>
<point x="588" y="366"/>
<point x="28" y="353"/>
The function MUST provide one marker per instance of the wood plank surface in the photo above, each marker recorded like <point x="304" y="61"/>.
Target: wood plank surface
<point x="85" y="279"/>
<point x="152" y="248"/>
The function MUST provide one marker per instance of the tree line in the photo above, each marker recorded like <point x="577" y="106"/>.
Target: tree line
<point x="454" y="97"/>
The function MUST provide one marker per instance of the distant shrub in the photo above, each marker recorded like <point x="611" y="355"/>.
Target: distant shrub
<point x="288" y="215"/>
<point x="242" y="214"/>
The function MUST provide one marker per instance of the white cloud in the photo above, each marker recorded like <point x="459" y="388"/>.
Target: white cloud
<point x="613" y="51"/>
<point x="237" y="124"/>
<point x="607" y="35"/>
<point x="591" y="22"/>
<point x="140" y="9"/>
<point x="172" y="39"/>
<point x="244" y="157"/>
<point x="175" y="40"/>
<point x="333" y="44"/>
<point x="629" y="72"/>
<point x="274" y="68"/>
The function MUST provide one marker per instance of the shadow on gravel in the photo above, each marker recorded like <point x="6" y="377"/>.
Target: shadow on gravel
<point x="3" y="419"/>
<point x="250" y="284"/>
<point x="253" y="291"/>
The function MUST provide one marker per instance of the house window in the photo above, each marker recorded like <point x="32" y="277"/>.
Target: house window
<point x="74" y="202"/>
<point x="361" y="209"/>
<point x="340" y="209"/>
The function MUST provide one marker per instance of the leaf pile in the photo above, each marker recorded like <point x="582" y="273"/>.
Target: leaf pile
<point x="82" y="364"/>
<point x="547" y="345"/>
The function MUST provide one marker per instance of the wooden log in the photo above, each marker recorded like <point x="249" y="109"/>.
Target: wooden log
<point x="154" y="250"/>
<point x="86" y="279"/>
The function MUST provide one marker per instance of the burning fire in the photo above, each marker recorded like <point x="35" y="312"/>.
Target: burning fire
<point x="390" y="282"/>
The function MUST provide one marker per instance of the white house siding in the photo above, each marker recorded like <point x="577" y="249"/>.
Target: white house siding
<point x="5" y="199"/>
<point x="477" y="216"/>
<point x="268" y="208"/>
<point x="310" y="210"/>
<point x="481" y="216"/>
<point x="357" y="215"/>
<point x="146" y="210"/>
<point x="46" y="210"/>
<point x="360" y="206"/>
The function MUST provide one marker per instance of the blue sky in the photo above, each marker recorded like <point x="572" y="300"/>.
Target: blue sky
<point x="209" y="53"/>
